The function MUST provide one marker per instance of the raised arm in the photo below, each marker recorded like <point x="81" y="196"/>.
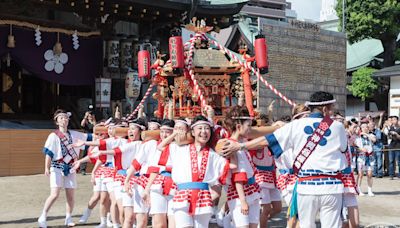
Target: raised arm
<point x="256" y="132"/>
<point x="167" y="141"/>
<point x="233" y="147"/>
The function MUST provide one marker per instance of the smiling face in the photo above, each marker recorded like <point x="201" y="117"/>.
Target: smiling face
<point x="201" y="134"/>
<point x="62" y="120"/>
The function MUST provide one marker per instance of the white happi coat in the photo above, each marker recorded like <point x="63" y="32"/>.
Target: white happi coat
<point x="328" y="157"/>
<point x="216" y="171"/>
<point x="263" y="158"/>
<point x="286" y="179"/>
<point x="110" y="144"/>
<point x="52" y="146"/>
<point x="245" y="170"/>
<point x="123" y="158"/>
<point x="147" y="162"/>
<point x="128" y="152"/>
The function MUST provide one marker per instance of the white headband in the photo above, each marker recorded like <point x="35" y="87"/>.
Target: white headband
<point x="300" y="114"/>
<point x="156" y="123"/>
<point x="138" y="125"/>
<point x="201" y="122"/>
<point x="181" y="121"/>
<point x="309" y="103"/>
<point x="243" y="118"/>
<point x="68" y="114"/>
<point x="165" y="127"/>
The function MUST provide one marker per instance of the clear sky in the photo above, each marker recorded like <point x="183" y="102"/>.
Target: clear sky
<point x="307" y="9"/>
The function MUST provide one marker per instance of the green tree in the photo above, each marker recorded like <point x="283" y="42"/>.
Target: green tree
<point x="379" y="19"/>
<point x="362" y="83"/>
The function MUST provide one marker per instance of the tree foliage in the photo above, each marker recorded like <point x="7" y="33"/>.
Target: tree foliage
<point x="379" y="19"/>
<point x="362" y="83"/>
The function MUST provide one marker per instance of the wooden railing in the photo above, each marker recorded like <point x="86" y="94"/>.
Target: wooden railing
<point x="21" y="151"/>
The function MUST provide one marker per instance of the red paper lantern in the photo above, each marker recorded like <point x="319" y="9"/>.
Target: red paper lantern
<point x="144" y="64"/>
<point x="261" y="51"/>
<point x="176" y="52"/>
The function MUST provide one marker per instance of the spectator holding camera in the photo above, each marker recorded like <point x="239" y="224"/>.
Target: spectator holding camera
<point x="88" y="122"/>
<point x="392" y="130"/>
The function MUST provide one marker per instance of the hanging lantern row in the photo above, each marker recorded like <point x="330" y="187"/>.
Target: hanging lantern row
<point x="122" y="52"/>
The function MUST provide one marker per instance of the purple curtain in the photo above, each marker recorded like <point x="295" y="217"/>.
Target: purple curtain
<point x="84" y="64"/>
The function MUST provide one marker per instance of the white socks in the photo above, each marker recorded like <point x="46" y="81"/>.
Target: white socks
<point x="42" y="220"/>
<point x="85" y="215"/>
<point x="103" y="220"/>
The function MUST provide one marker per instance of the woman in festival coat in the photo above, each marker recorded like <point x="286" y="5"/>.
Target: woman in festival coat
<point x="60" y="156"/>
<point x="196" y="167"/>
<point x="123" y="157"/>
<point x="108" y="165"/>
<point x="243" y="193"/>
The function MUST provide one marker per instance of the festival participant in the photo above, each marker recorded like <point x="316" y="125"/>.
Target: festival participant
<point x="140" y="165"/>
<point x="196" y="167"/>
<point x="164" y="184"/>
<point x="243" y="193"/>
<point x="96" y="189"/>
<point x="123" y="157"/>
<point x="153" y="124"/>
<point x="271" y="202"/>
<point x="319" y="144"/>
<point x="158" y="187"/>
<point x="108" y="177"/>
<point x="350" y="205"/>
<point x="365" y="160"/>
<point x="59" y="157"/>
<point x="156" y="190"/>
<point x="286" y="178"/>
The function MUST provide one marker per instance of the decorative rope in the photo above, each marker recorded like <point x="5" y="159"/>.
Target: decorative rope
<point x="247" y="65"/>
<point x="189" y="65"/>
<point x="47" y="29"/>
<point x="142" y="101"/>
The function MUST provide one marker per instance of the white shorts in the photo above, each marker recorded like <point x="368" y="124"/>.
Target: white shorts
<point x="138" y="204"/>
<point x="350" y="200"/>
<point x="118" y="190"/>
<point x="110" y="186"/>
<point x="160" y="204"/>
<point x="58" y="180"/>
<point x="239" y="219"/>
<point x="363" y="167"/>
<point x="328" y="206"/>
<point x="288" y="198"/>
<point x="101" y="184"/>
<point x="268" y="195"/>
<point x="127" y="201"/>
<point x="183" y="219"/>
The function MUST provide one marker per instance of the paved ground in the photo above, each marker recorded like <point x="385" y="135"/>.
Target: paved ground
<point x="22" y="198"/>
